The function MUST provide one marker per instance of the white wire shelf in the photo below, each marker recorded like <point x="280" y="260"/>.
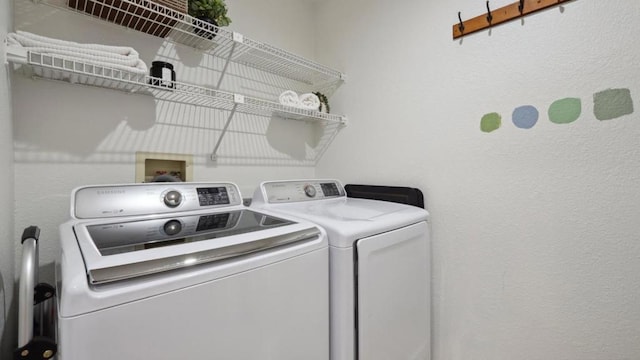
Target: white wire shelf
<point x="54" y="67"/>
<point x="158" y="20"/>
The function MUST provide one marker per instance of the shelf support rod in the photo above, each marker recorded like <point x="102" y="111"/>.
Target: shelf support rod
<point x="237" y="38"/>
<point x="237" y="100"/>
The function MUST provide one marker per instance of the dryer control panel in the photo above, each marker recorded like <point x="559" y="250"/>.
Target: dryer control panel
<point x="105" y="201"/>
<point x="299" y="190"/>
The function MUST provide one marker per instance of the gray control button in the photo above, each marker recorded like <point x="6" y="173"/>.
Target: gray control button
<point x="172" y="227"/>
<point x="173" y="198"/>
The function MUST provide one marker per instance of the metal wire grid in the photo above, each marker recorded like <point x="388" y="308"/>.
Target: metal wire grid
<point x="278" y="61"/>
<point x="158" y="20"/>
<point x="74" y="71"/>
<point x="143" y="15"/>
<point x="329" y="134"/>
<point x="200" y="35"/>
<point x="193" y="95"/>
<point x="79" y="72"/>
<point x="268" y="108"/>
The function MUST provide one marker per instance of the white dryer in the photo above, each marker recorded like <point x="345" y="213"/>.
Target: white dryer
<point x="379" y="267"/>
<point x="185" y="271"/>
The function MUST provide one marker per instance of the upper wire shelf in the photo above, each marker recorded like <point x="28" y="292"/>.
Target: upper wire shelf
<point x="162" y="21"/>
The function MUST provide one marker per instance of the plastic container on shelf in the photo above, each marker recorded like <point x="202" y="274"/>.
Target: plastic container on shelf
<point x="162" y="74"/>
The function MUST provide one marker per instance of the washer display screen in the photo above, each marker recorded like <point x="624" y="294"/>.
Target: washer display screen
<point x="330" y="189"/>
<point x="213" y="196"/>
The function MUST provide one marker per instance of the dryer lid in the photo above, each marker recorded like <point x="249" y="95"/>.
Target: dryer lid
<point x="350" y="209"/>
<point x="347" y="220"/>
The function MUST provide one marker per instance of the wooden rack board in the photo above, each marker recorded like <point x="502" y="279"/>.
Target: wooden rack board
<point x="504" y="14"/>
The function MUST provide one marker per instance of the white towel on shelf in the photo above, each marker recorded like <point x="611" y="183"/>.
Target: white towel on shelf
<point x="116" y="57"/>
<point x="289" y="98"/>
<point x="310" y="102"/>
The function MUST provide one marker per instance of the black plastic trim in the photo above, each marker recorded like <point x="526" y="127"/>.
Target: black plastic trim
<point x="40" y="347"/>
<point x="397" y="194"/>
<point x="32" y="232"/>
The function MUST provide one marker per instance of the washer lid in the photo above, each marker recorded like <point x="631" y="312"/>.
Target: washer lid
<point x="131" y="247"/>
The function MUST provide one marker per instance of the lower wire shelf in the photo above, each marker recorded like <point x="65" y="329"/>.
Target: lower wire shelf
<point x="75" y="71"/>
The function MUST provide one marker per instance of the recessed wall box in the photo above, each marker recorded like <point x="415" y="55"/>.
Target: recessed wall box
<point x="161" y="166"/>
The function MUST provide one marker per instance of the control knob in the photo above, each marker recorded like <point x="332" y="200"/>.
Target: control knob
<point x="310" y="190"/>
<point x="172" y="198"/>
<point x="172" y="227"/>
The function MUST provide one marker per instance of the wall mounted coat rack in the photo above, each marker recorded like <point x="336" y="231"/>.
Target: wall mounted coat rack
<point x="498" y="16"/>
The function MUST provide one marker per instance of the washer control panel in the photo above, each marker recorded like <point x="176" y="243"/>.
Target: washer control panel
<point x="151" y="198"/>
<point x="300" y="190"/>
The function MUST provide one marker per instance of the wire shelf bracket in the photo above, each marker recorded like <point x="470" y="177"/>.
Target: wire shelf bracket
<point x="237" y="39"/>
<point x="237" y="99"/>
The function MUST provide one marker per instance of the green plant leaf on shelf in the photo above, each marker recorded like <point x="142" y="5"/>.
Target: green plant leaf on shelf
<point x="324" y="101"/>
<point x="213" y="9"/>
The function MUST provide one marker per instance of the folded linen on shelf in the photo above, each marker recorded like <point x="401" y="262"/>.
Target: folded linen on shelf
<point x="116" y="57"/>
<point x="289" y="98"/>
<point x="310" y="101"/>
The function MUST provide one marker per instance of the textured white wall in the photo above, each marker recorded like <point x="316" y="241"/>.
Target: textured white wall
<point x="7" y="317"/>
<point x="535" y="232"/>
<point x="67" y="136"/>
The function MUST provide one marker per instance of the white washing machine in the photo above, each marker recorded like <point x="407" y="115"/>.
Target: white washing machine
<point x="379" y="267"/>
<point x="185" y="271"/>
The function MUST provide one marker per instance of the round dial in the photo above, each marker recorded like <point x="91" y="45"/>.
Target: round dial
<point x="172" y="198"/>
<point x="172" y="227"/>
<point x="310" y="190"/>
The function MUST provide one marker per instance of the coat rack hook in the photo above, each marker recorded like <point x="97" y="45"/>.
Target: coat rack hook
<point x="521" y="7"/>
<point x="461" y="25"/>
<point x="489" y="16"/>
